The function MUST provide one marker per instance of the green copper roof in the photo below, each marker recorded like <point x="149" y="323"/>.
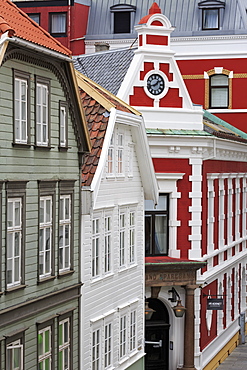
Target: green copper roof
<point x="151" y="131"/>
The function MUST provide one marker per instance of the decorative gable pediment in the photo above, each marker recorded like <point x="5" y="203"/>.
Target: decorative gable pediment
<point x="211" y="4"/>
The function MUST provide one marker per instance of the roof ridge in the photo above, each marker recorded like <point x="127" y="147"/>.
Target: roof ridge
<point x="104" y="52"/>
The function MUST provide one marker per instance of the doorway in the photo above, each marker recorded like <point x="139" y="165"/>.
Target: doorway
<point x="157" y="332"/>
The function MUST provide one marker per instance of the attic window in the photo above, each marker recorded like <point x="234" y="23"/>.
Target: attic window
<point x="210" y="19"/>
<point x="122" y="18"/>
<point x="212" y="12"/>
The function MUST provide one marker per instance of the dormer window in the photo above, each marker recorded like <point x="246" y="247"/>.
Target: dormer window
<point x="122" y="18"/>
<point x="210" y="19"/>
<point x="211" y="14"/>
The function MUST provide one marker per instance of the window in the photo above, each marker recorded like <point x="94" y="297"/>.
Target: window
<point x="95" y="247"/>
<point x="58" y="24"/>
<point x="210" y="19"/>
<point x="96" y="350"/>
<point x="42" y="111"/>
<point x="64" y="345"/>
<point x="45" y="348"/>
<point x="15" y="234"/>
<point x="107" y="244"/>
<point x="35" y="17"/>
<point x="219" y="91"/>
<point x="132" y="336"/>
<point x="120" y="150"/>
<point x="21" y="107"/>
<point x="123" y="337"/>
<point x="63" y="125"/>
<point x="110" y="160"/>
<point x="46" y="228"/>
<point x="122" y="17"/>
<point x="122" y="237"/>
<point x="64" y="232"/>
<point x="132" y="237"/>
<point x="45" y="236"/>
<point x="108" y="346"/>
<point x="14" y="355"/>
<point x="156" y="227"/>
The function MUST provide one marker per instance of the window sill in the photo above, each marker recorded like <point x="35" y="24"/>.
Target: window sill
<point x="43" y="147"/>
<point x="21" y="145"/>
<point x="65" y="273"/>
<point x="15" y="288"/>
<point x="64" y="148"/>
<point x="45" y="279"/>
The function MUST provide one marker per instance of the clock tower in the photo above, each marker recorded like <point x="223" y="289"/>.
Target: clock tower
<point x="153" y="83"/>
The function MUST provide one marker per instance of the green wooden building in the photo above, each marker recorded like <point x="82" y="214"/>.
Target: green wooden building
<point x="43" y="136"/>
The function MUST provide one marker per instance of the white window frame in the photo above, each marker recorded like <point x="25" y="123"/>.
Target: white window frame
<point x="132" y="236"/>
<point x="130" y="159"/>
<point x="46" y="225"/>
<point x="45" y="355"/>
<point x="122" y="237"/>
<point x="108" y="344"/>
<point x="133" y="330"/>
<point x="15" y="345"/>
<point x="96" y="348"/>
<point x="120" y="153"/>
<point x="123" y="335"/>
<point x="13" y="230"/>
<point x="111" y="157"/>
<point x="65" y="345"/>
<point x="64" y="224"/>
<point x="21" y="111"/>
<point x="42" y="114"/>
<point x="63" y="140"/>
<point x="96" y="247"/>
<point x="107" y="243"/>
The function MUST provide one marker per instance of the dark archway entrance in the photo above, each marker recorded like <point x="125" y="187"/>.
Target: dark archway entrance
<point x="157" y="330"/>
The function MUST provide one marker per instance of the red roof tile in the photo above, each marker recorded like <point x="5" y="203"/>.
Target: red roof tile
<point x="20" y="25"/>
<point x="97" y="125"/>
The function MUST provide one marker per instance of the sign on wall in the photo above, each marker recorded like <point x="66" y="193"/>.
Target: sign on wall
<point x="215" y="304"/>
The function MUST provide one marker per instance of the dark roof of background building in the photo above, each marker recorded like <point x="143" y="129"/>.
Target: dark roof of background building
<point x="107" y="68"/>
<point x="184" y="15"/>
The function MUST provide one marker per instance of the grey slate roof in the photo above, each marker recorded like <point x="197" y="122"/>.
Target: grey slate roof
<point x="107" y="68"/>
<point x="183" y="14"/>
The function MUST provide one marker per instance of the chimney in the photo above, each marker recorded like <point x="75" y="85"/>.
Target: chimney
<point x="101" y="46"/>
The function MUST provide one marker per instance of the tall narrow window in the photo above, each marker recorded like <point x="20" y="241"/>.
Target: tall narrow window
<point x="42" y="112"/>
<point x="64" y="345"/>
<point x="122" y="238"/>
<point x="45" y="348"/>
<point x="219" y="91"/>
<point x="96" y="355"/>
<point x="107" y="244"/>
<point x="95" y="247"/>
<point x="156" y="227"/>
<point x="210" y="19"/>
<point x="14" y="355"/>
<point x="14" y="235"/>
<point x="21" y="107"/>
<point x="15" y="245"/>
<point x="122" y="17"/>
<point x="108" y="346"/>
<point x="64" y="232"/>
<point x="132" y="237"/>
<point x="63" y="122"/>
<point x="120" y="150"/>
<point x="110" y="158"/>
<point x="132" y="336"/>
<point x="123" y="336"/>
<point x="45" y="236"/>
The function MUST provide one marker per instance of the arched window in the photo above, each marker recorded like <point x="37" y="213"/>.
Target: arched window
<point x="219" y="91"/>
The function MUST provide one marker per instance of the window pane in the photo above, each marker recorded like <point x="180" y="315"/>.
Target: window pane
<point x="219" y="97"/>
<point x="219" y="80"/>
<point x="122" y="22"/>
<point x="210" y="18"/>
<point x="160" y="234"/>
<point x="58" y="23"/>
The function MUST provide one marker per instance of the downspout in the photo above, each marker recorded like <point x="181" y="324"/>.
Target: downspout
<point x="69" y="25"/>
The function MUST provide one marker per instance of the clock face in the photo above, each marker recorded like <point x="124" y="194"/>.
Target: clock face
<point x="155" y="84"/>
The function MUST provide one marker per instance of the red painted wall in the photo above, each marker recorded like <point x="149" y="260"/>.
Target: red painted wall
<point x="78" y="24"/>
<point x="184" y="186"/>
<point x="207" y="336"/>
